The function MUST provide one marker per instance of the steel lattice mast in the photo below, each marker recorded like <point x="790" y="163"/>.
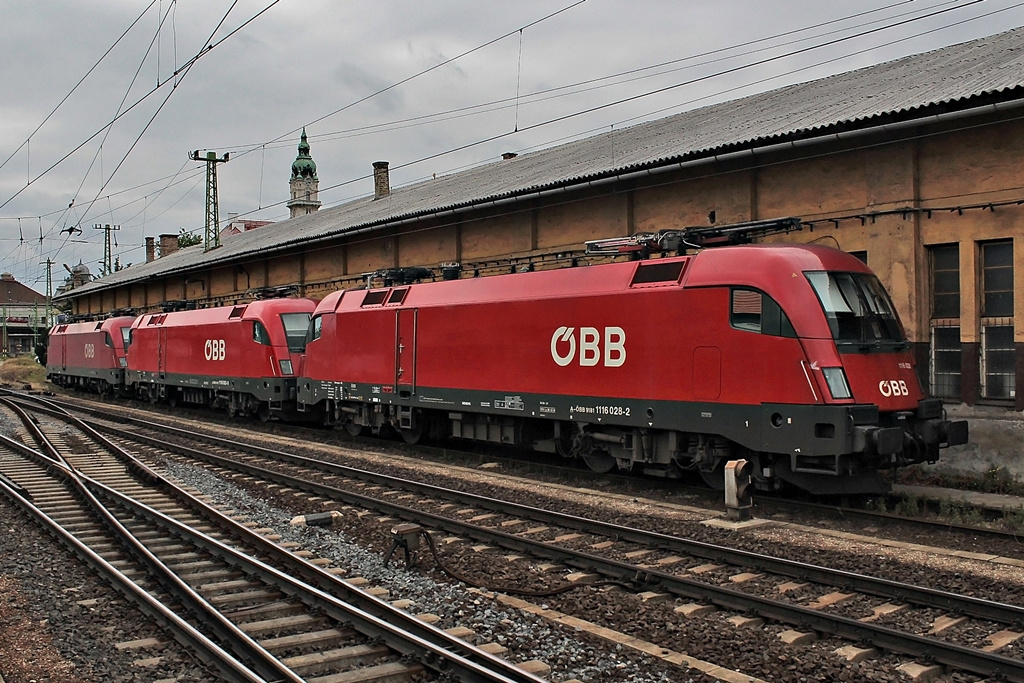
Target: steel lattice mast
<point x="212" y="238"/>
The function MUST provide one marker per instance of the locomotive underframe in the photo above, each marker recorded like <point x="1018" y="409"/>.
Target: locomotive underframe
<point x="263" y="397"/>
<point x="823" y="448"/>
<point x="105" y="381"/>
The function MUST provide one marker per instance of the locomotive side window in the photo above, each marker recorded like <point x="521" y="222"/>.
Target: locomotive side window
<point x="858" y="309"/>
<point x="755" y="311"/>
<point x="260" y="334"/>
<point x="295" y="327"/>
<point x="108" y="340"/>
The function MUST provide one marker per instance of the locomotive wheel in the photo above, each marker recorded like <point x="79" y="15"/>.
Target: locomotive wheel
<point x="353" y="429"/>
<point x="263" y="412"/>
<point x="715" y="478"/>
<point x="412" y="436"/>
<point x="600" y="461"/>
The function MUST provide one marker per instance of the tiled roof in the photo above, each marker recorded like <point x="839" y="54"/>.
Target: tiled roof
<point x="959" y="76"/>
<point x="15" y="293"/>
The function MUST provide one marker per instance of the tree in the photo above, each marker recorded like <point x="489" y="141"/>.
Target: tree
<point x="187" y="239"/>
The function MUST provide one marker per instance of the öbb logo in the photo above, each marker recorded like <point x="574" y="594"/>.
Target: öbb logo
<point x="564" y="339"/>
<point x="892" y="387"/>
<point x="214" y="349"/>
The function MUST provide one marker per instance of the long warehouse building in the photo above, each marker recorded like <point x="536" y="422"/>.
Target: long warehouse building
<point x="912" y="165"/>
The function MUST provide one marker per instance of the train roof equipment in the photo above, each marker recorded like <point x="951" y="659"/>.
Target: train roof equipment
<point x="642" y="244"/>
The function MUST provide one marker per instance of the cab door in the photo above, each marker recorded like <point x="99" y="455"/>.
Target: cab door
<point x="161" y="351"/>
<point x="405" y="351"/>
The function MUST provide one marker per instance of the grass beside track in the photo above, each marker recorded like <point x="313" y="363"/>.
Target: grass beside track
<point x="21" y="371"/>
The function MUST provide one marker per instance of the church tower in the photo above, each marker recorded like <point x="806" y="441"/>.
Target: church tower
<point x="304" y="183"/>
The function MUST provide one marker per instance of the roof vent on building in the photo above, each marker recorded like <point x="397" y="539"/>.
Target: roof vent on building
<point x="381" y="181"/>
<point x="6" y="277"/>
<point x="509" y="155"/>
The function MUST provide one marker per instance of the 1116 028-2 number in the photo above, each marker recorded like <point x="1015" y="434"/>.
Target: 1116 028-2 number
<point x="620" y="411"/>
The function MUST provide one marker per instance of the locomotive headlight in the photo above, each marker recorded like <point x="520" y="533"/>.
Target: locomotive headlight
<point x="836" y="380"/>
<point x="286" y="367"/>
<point x="122" y="361"/>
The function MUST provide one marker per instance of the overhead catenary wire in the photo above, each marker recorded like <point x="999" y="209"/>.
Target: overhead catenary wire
<point x="730" y="70"/>
<point x="555" y="92"/>
<point x="179" y="75"/>
<point x="642" y="94"/>
<point x="536" y="125"/>
<point x="79" y="83"/>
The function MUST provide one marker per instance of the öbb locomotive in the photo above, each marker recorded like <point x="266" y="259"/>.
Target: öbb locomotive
<point x="789" y="356"/>
<point x="243" y="359"/>
<point x="90" y="356"/>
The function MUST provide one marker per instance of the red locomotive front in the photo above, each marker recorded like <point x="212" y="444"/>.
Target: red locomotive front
<point x="788" y="356"/>
<point x="241" y="358"/>
<point x="88" y="355"/>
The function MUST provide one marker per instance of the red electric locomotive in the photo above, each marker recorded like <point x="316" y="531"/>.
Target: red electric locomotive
<point x="89" y="355"/>
<point x="241" y="358"/>
<point x="789" y="356"/>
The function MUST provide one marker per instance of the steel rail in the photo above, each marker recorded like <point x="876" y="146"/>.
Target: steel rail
<point x="919" y="595"/>
<point x="265" y="664"/>
<point x="625" y="480"/>
<point x="400" y="630"/>
<point x="950" y="654"/>
<point x="181" y="630"/>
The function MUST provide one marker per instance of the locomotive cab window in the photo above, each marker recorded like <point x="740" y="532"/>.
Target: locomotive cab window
<point x="126" y="337"/>
<point x="755" y="311"/>
<point x="108" y="340"/>
<point x="858" y="311"/>
<point x="295" y="327"/>
<point x="260" y="334"/>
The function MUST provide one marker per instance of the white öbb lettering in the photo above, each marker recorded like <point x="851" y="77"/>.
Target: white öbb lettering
<point x="214" y="349"/>
<point x="892" y="387"/>
<point x="90" y="350"/>
<point x="564" y="339"/>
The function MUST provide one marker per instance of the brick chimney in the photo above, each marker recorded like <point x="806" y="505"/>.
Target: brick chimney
<point x="150" y="249"/>
<point x="381" y="181"/>
<point x="168" y="245"/>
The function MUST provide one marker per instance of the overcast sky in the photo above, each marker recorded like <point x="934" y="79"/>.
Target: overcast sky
<point x="96" y="128"/>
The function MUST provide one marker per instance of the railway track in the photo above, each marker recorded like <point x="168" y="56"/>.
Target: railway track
<point x="531" y="463"/>
<point x="252" y="609"/>
<point x="812" y="598"/>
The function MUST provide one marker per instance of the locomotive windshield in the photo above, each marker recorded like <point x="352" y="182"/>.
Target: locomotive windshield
<point x="295" y="326"/>
<point x="858" y="310"/>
